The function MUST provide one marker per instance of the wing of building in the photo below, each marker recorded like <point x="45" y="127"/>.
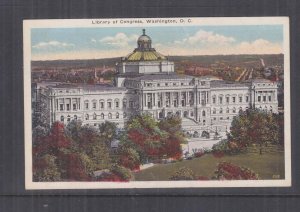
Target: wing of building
<point x="146" y="83"/>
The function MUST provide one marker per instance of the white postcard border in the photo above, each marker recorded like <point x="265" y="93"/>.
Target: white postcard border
<point x="188" y="21"/>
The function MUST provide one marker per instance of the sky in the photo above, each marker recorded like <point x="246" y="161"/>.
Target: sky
<point x="94" y="43"/>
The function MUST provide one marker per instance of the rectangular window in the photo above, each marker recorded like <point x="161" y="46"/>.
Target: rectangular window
<point x="94" y="105"/>
<point x="74" y="106"/>
<point x="233" y="99"/>
<point x="68" y="107"/>
<point x="227" y="99"/>
<point x="240" y="99"/>
<point x="101" y="105"/>
<point x="264" y="98"/>
<point x="61" y="107"/>
<point x="86" y="105"/>
<point x="259" y="98"/>
<point x="270" y="98"/>
<point x="214" y="100"/>
<point x="117" y="104"/>
<point x="247" y="98"/>
<point x="221" y="100"/>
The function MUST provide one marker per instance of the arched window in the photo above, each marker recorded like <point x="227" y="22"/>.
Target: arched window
<point x="94" y="116"/>
<point x="87" y="117"/>
<point x="240" y="109"/>
<point x="101" y="104"/>
<point x="109" y="116"/>
<point x="234" y="110"/>
<point x="221" y="110"/>
<point x="117" y="103"/>
<point x="102" y="116"/>
<point x="62" y="118"/>
<point x="124" y="103"/>
<point x="117" y="115"/>
<point x="109" y="104"/>
<point x="203" y="113"/>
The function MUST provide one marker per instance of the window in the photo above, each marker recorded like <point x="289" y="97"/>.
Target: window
<point x="117" y="115"/>
<point x="87" y="117"/>
<point x="221" y="118"/>
<point x="102" y="116"/>
<point x="214" y="100"/>
<point x="94" y="116"/>
<point x="166" y="84"/>
<point x="117" y="104"/>
<point x="61" y="107"/>
<point x="124" y="115"/>
<point x="101" y="104"/>
<point x="221" y="100"/>
<point x="214" y="111"/>
<point x="86" y="105"/>
<point x="109" y="105"/>
<point x="264" y="98"/>
<point x="221" y="110"/>
<point x="270" y="98"/>
<point x="124" y="103"/>
<point x="158" y="84"/>
<point x="68" y="118"/>
<point x="62" y="118"/>
<point x="74" y="106"/>
<point x="94" y="105"/>
<point x="68" y="107"/>
<point x="259" y="98"/>
<point x="131" y="104"/>
<point x="227" y="99"/>
<point x="233" y="99"/>
<point x="109" y="116"/>
<point x="203" y="113"/>
<point x="247" y="98"/>
<point x="75" y="117"/>
<point x="234" y="110"/>
<point x="240" y="99"/>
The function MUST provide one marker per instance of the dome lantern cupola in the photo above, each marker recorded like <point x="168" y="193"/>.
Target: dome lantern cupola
<point x="144" y="42"/>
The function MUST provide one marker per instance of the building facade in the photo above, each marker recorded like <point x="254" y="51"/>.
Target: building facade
<point x="147" y="83"/>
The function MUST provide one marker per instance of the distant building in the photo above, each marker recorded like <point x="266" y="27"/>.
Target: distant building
<point x="146" y="83"/>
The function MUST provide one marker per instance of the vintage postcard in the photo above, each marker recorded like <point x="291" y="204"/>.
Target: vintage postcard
<point x="157" y="103"/>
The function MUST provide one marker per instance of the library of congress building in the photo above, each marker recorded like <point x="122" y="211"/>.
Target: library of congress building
<point x="147" y="83"/>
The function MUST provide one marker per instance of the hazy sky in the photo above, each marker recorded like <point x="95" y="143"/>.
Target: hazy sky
<point x="92" y="43"/>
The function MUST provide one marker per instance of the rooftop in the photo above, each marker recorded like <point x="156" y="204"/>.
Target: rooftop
<point x="226" y="84"/>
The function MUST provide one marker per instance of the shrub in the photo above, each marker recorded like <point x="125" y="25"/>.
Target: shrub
<point x="183" y="173"/>
<point x="229" y="171"/>
<point x="124" y="173"/>
<point x="199" y="154"/>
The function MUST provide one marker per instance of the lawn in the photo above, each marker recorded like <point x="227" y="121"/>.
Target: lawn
<point x="268" y="166"/>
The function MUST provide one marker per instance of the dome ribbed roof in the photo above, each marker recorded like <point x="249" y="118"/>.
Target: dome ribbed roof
<point x="144" y="51"/>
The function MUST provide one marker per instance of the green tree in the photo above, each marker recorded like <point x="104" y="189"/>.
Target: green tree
<point x="254" y="126"/>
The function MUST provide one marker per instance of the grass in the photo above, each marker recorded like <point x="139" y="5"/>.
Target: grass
<point x="269" y="165"/>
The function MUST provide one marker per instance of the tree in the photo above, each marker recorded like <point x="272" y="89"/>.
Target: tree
<point x="108" y="131"/>
<point x="254" y="126"/>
